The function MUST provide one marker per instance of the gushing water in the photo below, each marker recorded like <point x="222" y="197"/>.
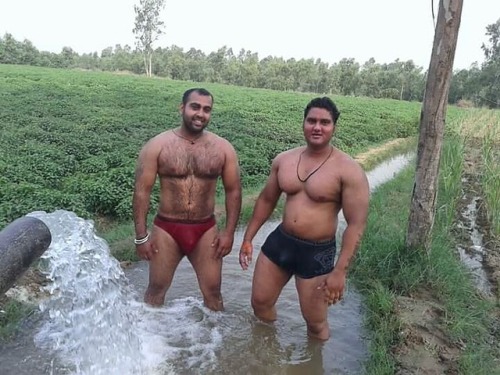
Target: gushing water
<point x="91" y="309"/>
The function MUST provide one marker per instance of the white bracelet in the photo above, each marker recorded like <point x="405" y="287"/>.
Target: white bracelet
<point x="140" y="241"/>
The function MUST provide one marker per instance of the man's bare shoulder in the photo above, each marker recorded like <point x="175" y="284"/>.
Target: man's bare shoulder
<point x="219" y="141"/>
<point x="161" y="138"/>
<point x="288" y="154"/>
<point x="348" y="164"/>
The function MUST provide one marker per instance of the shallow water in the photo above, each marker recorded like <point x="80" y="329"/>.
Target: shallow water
<point x="472" y="254"/>
<point x="95" y="322"/>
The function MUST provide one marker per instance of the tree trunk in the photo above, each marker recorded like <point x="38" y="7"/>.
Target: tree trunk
<point x="432" y="116"/>
<point x="150" y="64"/>
<point x="145" y="63"/>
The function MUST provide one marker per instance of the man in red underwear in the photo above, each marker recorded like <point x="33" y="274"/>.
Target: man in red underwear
<point x="318" y="180"/>
<point x="188" y="161"/>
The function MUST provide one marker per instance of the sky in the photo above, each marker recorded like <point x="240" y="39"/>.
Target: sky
<point x="320" y="29"/>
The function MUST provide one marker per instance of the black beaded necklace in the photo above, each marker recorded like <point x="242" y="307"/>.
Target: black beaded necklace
<point x="313" y="172"/>
<point x="192" y="141"/>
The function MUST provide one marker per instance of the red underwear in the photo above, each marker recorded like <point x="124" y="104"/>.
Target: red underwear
<point x="186" y="233"/>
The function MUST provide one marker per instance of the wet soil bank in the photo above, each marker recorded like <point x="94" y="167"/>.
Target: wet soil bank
<point x="425" y="348"/>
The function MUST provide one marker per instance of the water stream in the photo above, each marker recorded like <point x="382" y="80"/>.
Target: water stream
<point x="95" y="323"/>
<point x="472" y="254"/>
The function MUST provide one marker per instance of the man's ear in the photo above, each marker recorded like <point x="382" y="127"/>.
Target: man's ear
<point x="181" y="108"/>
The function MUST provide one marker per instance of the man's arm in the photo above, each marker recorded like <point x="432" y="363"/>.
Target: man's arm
<point x="265" y="204"/>
<point x="355" y="202"/>
<point x="232" y="188"/>
<point x="145" y="177"/>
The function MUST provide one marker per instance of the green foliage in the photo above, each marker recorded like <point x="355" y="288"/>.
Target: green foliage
<point x="11" y="313"/>
<point x="70" y="139"/>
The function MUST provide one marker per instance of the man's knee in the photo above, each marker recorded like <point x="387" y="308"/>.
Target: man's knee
<point x="318" y="330"/>
<point x="263" y="308"/>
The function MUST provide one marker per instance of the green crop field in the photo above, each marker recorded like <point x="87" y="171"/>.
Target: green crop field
<point x="69" y="139"/>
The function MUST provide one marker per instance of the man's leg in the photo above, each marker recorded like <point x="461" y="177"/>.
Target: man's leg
<point x="162" y="266"/>
<point x="208" y="270"/>
<point x="268" y="282"/>
<point x="313" y="306"/>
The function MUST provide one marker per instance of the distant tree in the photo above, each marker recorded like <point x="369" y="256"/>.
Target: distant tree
<point x="148" y="27"/>
<point x="348" y="76"/>
<point x="492" y="51"/>
<point x="490" y="75"/>
<point x="196" y="63"/>
<point x="10" y="50"/>
<point x="67" y="57"/>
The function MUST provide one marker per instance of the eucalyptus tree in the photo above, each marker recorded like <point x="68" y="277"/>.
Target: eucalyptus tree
<point x="217" y="64"/>
<point x="490" y="75"/>
<point x="147" y="28"/>
<point x="347" y="75"/>
<point x="176" y="63"/>
<point x="425" y="188"/>
<point x="196" y="65"/>
<point x="369" y="76"/>
<point x="323" y="84"/>
<point x="250" y="68"/>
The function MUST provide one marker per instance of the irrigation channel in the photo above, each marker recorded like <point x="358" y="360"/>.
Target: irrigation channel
<point x="96" y="323"/>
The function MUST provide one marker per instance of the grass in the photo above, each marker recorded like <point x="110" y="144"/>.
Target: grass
<point x="384" y="270"/>
<point x="481" y="130"/>
<point x="12" y="313"/>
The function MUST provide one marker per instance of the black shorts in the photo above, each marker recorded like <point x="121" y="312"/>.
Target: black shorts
<point x="302" y="258"/>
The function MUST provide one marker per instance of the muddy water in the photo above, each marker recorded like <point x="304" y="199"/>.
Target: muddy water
<point x="102" y="327"/>
<point x="242" y="345"/>
<point x="472" y="252"/>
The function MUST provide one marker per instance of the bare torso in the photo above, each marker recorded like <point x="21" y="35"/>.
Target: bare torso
<point x="312" y="206"/>
<point x="188" y="175"/>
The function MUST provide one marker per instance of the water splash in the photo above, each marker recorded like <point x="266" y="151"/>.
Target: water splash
<point x="92" y="321"/>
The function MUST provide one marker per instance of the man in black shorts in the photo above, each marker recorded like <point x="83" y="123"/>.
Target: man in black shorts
<point x="319" y="180"/>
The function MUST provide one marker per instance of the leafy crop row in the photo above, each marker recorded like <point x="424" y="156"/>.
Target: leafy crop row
<point x="69" y="139"/>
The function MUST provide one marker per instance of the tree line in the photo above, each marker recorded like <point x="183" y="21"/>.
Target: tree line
<point x="403" y="80"/>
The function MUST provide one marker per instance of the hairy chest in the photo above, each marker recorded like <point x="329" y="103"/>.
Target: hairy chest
<point x="200" y="161"/>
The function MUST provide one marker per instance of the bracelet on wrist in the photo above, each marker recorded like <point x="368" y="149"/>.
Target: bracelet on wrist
<point x="140" y="241"/>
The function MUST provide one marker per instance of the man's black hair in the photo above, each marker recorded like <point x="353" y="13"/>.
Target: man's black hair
<point x="325" y="103"/>
<point x="200" y="91"/>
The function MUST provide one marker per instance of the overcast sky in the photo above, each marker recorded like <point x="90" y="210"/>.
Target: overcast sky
<point x="325" y="29"/>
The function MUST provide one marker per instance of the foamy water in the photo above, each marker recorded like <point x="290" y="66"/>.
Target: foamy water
<point x="93" y="322"/>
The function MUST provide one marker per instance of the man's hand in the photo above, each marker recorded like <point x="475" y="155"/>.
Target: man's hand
<point x="223" y="244"/>
<point x="146" y="251"/>
<point x="333" y="286"/>
<point x="246" y="251"/>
